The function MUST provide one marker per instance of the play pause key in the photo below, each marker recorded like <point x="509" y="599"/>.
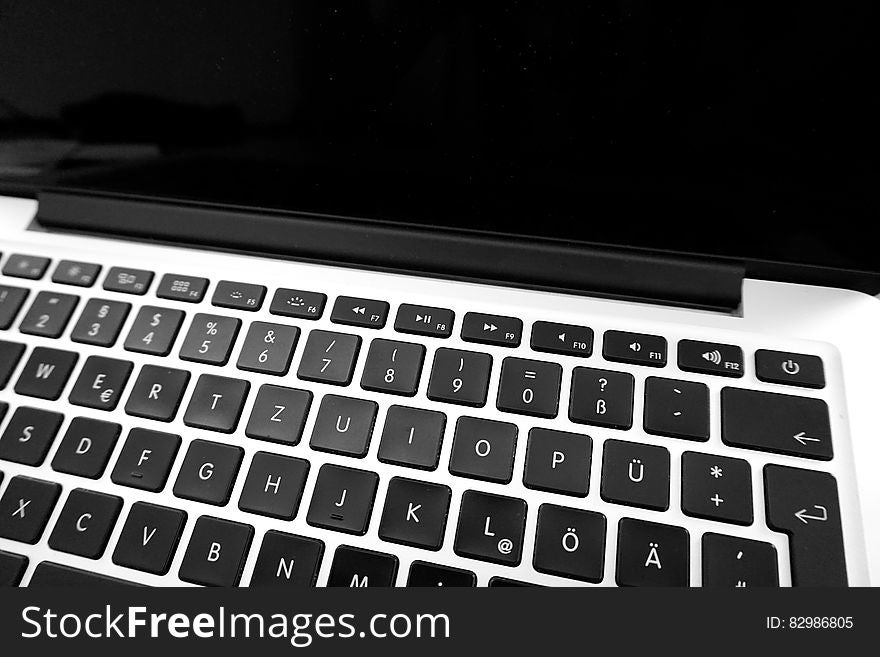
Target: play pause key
<point x="565" y="339"/>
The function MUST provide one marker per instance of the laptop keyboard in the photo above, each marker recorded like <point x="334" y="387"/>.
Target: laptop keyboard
<point x="170" y="427"/>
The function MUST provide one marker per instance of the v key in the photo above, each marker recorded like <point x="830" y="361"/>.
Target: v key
<point x="149" y="538"/>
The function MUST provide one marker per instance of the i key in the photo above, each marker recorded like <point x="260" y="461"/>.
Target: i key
<point x="154" y="330"/>
<point x="46" y="372"/>
<point x="490" y="528"/>
<point x="530" y="387"/>
<point x="355" y="567"/>
<point x="412" y="437"/>
<point x="208" y="472"/>
<point x="49" y="314"/>
<point x="100" y="322"/>
<point x="287" y="560"/>
<point x="85" y="523"/>
<point x="460" y="377"/>
<point x="210" y="339"/>
<point x="29" y="435"/>
<point x="25" y="508"/>
<point x="601" y="398"/>
<point x="216" y="553"/>
<point x="100" y="383"/>
<point x="415" y="513"/>
<point x="149" y="538"/>
<point x="343" y="499"/>
<point x="268" y="348"/>
<point x="216" y="403"/>
<point x="329" y="357"/>
<point x="393" y="367"/>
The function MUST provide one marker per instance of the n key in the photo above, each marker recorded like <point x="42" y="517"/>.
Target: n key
<point x="25" y="508"/>
<point x="149" y="538"/>
<point x="287" y="560"/>
<point x="46" y="372"/>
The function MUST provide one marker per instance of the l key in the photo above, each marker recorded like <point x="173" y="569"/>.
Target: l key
<point x="491" y="528"/>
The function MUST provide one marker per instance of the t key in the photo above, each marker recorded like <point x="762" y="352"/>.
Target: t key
<point x="530" y="387"/>
<point x="460" y="377"/>
<point x="601" y="397"/>
<point x="216" y="403"/>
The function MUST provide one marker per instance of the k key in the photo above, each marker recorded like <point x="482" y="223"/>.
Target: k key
<point x="415" y="513"/>
<point x="601" y="398"/>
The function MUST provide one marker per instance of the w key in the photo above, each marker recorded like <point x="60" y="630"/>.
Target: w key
<point x="530" y="387"/>
<point x="46" y="372"/>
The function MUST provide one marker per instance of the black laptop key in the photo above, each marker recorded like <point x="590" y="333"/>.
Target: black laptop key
<point x="86" y="447"/>
<point x="636" y="475"/>
<point x="279" y="414"/>
<point x="146" y="459"/>
<point x="240" y="296"/>
<point x="46" y="372"/>
<point x="149" y="538"/>
<point x="734" y="562"/>
<point x="492" y="329"/>
<point x="26" y="266"/>
<point x="25" y="508"/>
<point x="216" y="553"/>
<point x="100" y="383"/>
<point x="48" y="315"/>
<point x="483" y="449"/>
<point x="176" y="287"/>
<point x="393" y="367"/>
<point x="716" y="488"/>
<point x="804" y="504"/>
<point x="490" y="528"/>
<point x="154" y="330"/>
<point x="12" y="567"/>
<point x="570" y="543"/>
<point x="565" y="339"/>
<point x="287" y="560"/>
<point x="507" y="582"/>
<point x="601" y="398"/>
<point x="11" y="301"/>
<point x="354" y="311"/>
<point x="710" y="358"/>
<point x="329" y="357"/>
<point x="424" y="320"/>
<point x="157" y="393"/>
<point x="679" y="409"/>
<point x="10" y="354"/>
<point x="216" y="403"/>
<point x="433" y="575"/>
<point x="56" y="575"/>
<point x="29" y="435"/>
<point x="100" y="322"/>
<point x="652" y="554"/>
<point x="460" y="377"/>
<point x="412" y="437"/>
<point x="771" y="422"/>
<point x="210" y="339"/>
<point x="343" y="499"/>
<point x="208" y="472"/>
<point x="4" y="408"/>
<point x="268" y="348"/>
<point x="355" y="567"/>
<point x="85" y="523"/>
<point x="344" y="425"/>
<point x="274" y="485"/>
<point x="791" y="369"/>
<point x="529" y="387"/>
<point x="558" y="462"/>
<point x="128" y="280"/>
<point x="415" y="513"/>
<point x="72" y="272"/>
<point x="298" y="303"/>
<point x="634" y="348"/>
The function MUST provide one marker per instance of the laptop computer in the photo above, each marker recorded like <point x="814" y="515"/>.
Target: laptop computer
<point x="398" y="294"/>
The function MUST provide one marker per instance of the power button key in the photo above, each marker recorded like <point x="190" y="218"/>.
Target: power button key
<point x="790" y="369"/>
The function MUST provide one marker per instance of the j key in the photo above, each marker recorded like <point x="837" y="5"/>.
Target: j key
<point x="530" y="387"/>
<point x="651" y="554"/>
<point x="344" y="425"/>
<point x="710" y="358"/>
<point x="601" y="398"/>
<point x="424" y="574"/>
<point x="48" y="314"/>
<point x="29" y="435"/>
<point x="210" y="339"/>
<point x="565" y="339"/>
<point x="146" y="460"/>
<point x="412" y="437"/>
<point x="635" y="475"/>
<point x="354" y="567"/>
<point x="11" y="300"/>
<point x="570" y="543"/>
<point x="25" y="508"/>
<point x="12" y="567"/>
<point x="716" y="488"/>
<point x="268" y="348"/>
<point x="490" y="528"/>
<point x="679" y="409"/>
<point x="274" y="485"/>
<point x="208" y="472"/>
<point x="216" y="553"/>
<point x="182" y="288"/>
<point x="46" y="372"/>
<point x="492" y="329"/>
<point x="393" y="367"/>
<point x="71" y="272"/>
<point x="791" y="369"/>
<point x="216" y="403"/>
<point x="343" y="499"/>
<point x="149" y="538"/>
<point x="56" y="575"/>
<point x="415" y="513"/>
<point x="287" y="560"/>
<point x="733" y="562"/>
<point x="10" y="354"/>
<point x="240" y="296"/>
<point x="804" y="505"/>
<point x="26" y="266"/>
<point x="298" y="303"/>
<point x="483" y="449"/>
<point x="776" y="423"/>
<point x="279" y="414"/>
<point x="353" y="311"/>
<point x="634" y="348"/>
<point x="154" y="330"/>
<point x="100" y="383"/>
<point x="85" y="523"/>
<point x="329" y="357"/>
<point x="558" y="462"/>
<point x="86" y="447"/>
<point x="460" y="377"/>
<point x="157" y="393"/>
<point x="424" y="320"/>
<point x="100" y="322"/>
<point x="127" y="280"/>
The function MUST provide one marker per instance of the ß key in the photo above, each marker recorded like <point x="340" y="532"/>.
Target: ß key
<point x="344" y="425"/>
<point x="329" y="357"/>
<point x="85" y="523"/>
<point x="29" y="435"/>
<point x="154" y="330"/>
<point x="652" y="554"/>
<point x="393" y="367"/>
<point x="460" y="377"/>
<point x="216" y="553"/>
<point x="210" y="339"/>
<point x="412" y="437"/>
<point x="46" y="372"/>
<point x="287" y="560"/>
<point x="279" y="414"/>
<point x="100" y="322"/>
<point x="49" y="314"/>
<point x="25" y="508"/>
<point x="146" y="459"/>
<point x="530" y="387"/>
<point x="216" y="403"/>
<point x="100" y="383"/>
<point x="355" y="567"/>
<point x="268" y="348"/>
<point x="208" y="472"/>
<point x="343" y="499"/>
<point x="601" y="398"/>
<point x="490" y="528"/>
<point x="483" y="449"/>
<point x="149" y="538"/>
<point x="274" y="485"/>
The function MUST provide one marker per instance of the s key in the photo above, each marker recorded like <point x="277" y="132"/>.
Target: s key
<point x="460" y="377"/>
<point x="602" y="398"/>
